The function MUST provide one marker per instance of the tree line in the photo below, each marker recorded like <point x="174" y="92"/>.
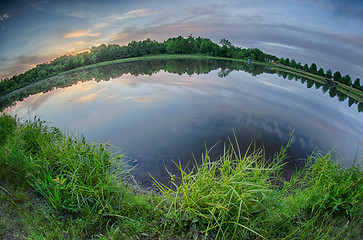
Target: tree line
<point x="102" y="53"/>
<point x="176" y="45"/>
<point x="176" y="66"/>
<point x="135" y="68"/>
<point x="326" y="88"/>
<point x="337" y="76"/>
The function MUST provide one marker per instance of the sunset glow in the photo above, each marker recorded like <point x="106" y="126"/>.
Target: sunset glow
<point x="326" y="32"/>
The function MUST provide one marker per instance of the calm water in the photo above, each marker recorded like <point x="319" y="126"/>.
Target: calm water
<point x="164" y="112"/>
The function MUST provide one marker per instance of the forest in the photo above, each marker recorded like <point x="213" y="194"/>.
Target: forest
<point x="176" y="45"/>
<point x="102" y="53"/>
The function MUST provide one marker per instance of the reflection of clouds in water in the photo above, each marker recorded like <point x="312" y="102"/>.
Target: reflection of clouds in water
<point x="251" y="127"/>
<point x="125" y="80"/>
<point x="271" y="84"/>
<point x="179" y="83"/>
<point x="167" y="79"/>
<point x="283" y="131"/>
<point x="87" y="98"/>
<point x="31" y="103"/>
<point x="35" y="101"/>
<point x="143" y="99"/>
<point x="275" y="128"/>
<point x="90" y="97"/>
<point x="80" y="88"/>
<point x="87" y="89"/>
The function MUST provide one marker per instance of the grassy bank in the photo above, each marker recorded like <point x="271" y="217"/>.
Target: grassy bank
<point x="58" y="186"/>
<point x="348" y="90"/>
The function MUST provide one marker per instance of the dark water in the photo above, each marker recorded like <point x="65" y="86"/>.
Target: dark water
<point x="161" y="112"/>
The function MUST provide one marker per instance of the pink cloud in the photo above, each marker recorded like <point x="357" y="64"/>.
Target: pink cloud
<point x="77" y="33"/>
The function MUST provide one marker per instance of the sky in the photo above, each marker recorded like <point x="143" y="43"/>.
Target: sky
<point x="326" y="32"/>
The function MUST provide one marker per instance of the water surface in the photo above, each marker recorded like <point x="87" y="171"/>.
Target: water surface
<point x="160" y="112"/>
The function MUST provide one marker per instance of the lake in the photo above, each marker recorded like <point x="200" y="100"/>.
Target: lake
<point x="162" y="112"/>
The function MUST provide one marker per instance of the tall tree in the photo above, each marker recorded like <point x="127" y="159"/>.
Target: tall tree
<point x="357" y="85"/>
<point x="351" y="101"/>
<point x="293" y="63"/>
<point x="42" y="74"/>
<point x="287" y="61"/>
<point x="333" y="92"/>
<point x="206" y="47"/>
<point x="306" y="67"/>
<point x="321" y="72"/>
<point x="347" y="80"/>
<point x="225" y="42"/>
<point x="329" y="74"/>
<point x="360" y="107"/>
<point x="337" y="76"/>
<point x="313" y="68"/>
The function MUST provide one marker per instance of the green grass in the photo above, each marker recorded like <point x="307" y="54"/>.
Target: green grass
<point x="81" y="186"/>
<point x="58" y="186"/>
<point x="348" y="90"/>
<point x="242" y="197"/>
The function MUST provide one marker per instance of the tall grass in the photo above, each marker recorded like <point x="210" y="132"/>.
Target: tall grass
<point x="62" y="187"/>
<point x="243" y="197"/>
<point x="85" y="182"/>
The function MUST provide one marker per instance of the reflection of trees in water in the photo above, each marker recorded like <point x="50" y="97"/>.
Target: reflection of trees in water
<point x="224" y="73"/>
<point x="360" y="106"/>
<point x="149" y="67"/>
<point x="177" y="66"/>
<point x="328" y="87"/>
<point x="135" y="68"/>
<point x="333" y="92"/>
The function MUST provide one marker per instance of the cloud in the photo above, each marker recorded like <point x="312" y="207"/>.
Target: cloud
<point x="77" y="33"/>
<point x="160" y="32"/>
<point x="354" y="41"/>
<point x="136" y="13"/>
<point x="351" y="8"/>
<point x="276" y="86"/>
<point x="95" y="34"/>
<point x="279" y="45"/>
<point x="336" y="50"/>
<point x="4" y="16"/>
<point x="21" y="64"/>
<point x="75" y="9"/>
<point x="100" y="25"/>
<point x="81" y="33"/>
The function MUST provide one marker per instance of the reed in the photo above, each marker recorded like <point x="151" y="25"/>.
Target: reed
<point x="243" y="197"/>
